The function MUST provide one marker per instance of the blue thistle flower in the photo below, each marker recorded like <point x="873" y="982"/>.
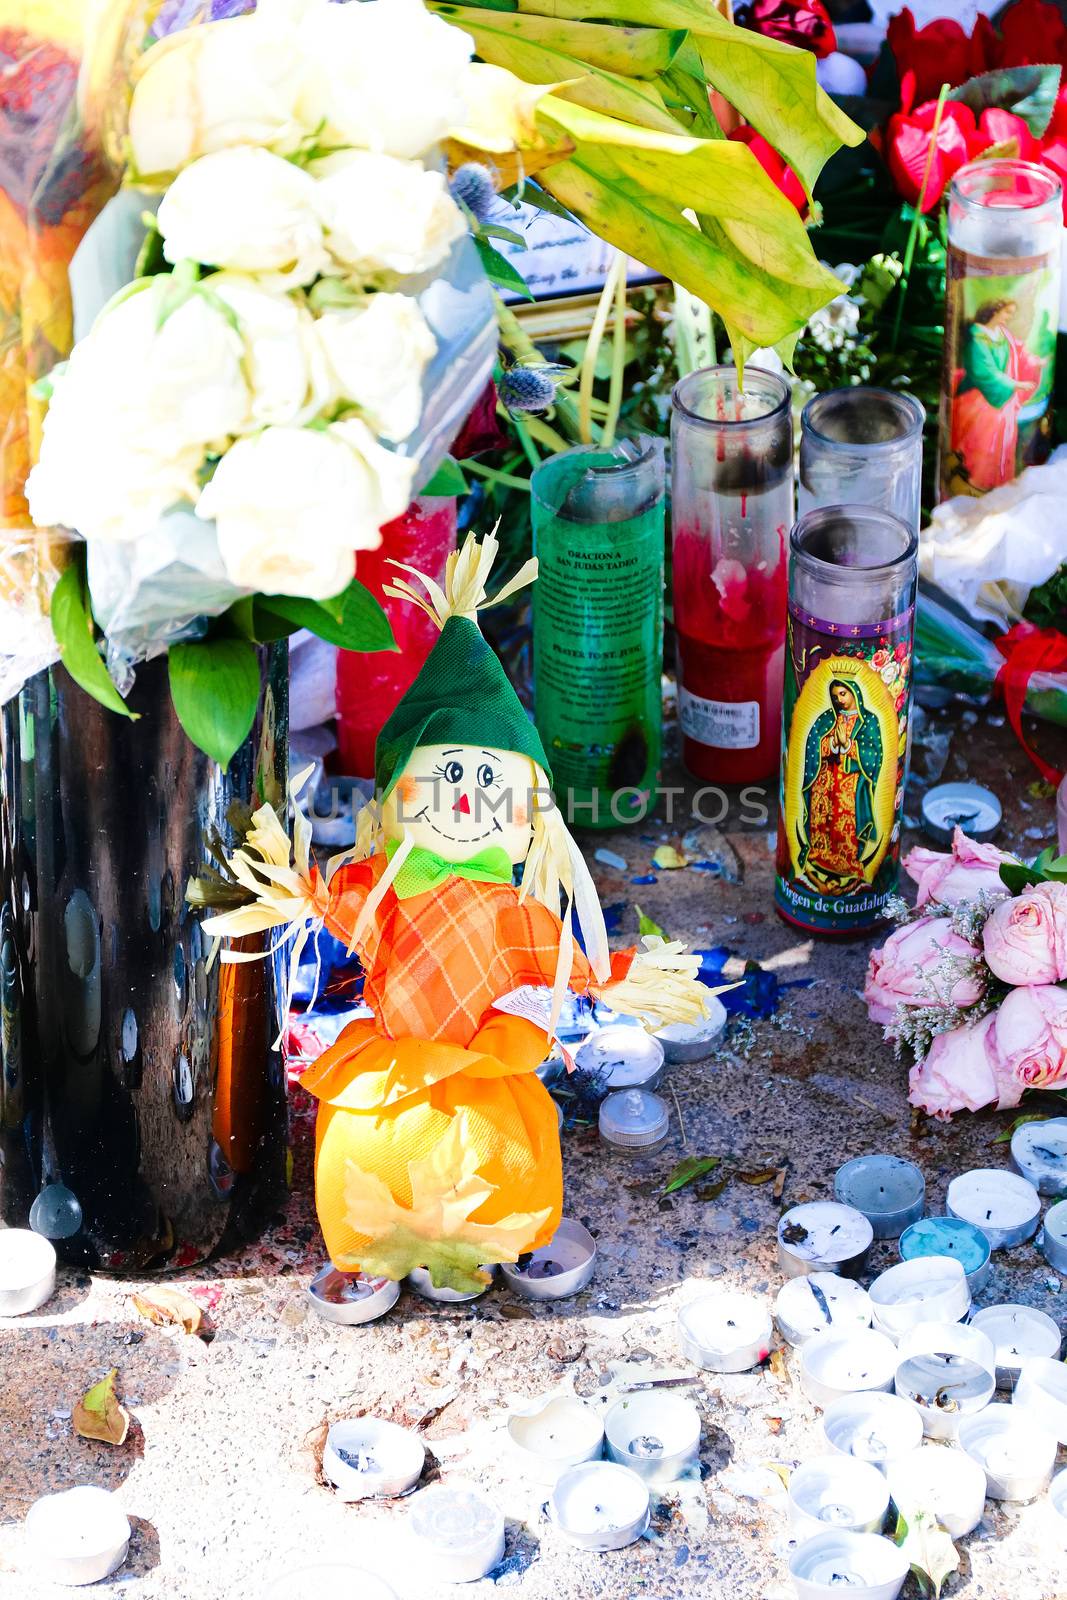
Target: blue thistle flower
<point x="472" y="186"/>
<point x="523" y="389"/>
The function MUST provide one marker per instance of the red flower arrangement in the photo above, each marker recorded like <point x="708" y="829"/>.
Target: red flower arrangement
<point x="782" y="176"/>
<point x="804" y="23"/>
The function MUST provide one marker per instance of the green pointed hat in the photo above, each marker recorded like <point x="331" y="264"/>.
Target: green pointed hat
<point x="462" y="694"/>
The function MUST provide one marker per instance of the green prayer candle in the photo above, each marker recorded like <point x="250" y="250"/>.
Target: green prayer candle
<point x="598" y="519"/>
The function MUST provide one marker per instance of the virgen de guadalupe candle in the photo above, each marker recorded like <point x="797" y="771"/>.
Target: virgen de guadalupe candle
<point x="1005" y="225"/>
<point x="852" y="573"/>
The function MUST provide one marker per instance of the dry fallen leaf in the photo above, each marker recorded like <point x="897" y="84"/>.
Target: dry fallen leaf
<point x="163" y="1305"/>
<point x="779" y="1183"/>
<point x="774" y="1424"/>
<point x="776" y="1365"/>
<point x="99" y="1413"/>
<point x="763" y="1175"/>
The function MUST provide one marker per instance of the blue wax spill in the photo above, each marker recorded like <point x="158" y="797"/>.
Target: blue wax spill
<point x="946" y="1236"/>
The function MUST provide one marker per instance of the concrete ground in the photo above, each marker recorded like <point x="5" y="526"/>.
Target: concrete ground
<point x="220" y="1470"/>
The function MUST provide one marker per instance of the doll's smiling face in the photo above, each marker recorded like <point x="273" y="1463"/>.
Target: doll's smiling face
<point x="459" y="799"/>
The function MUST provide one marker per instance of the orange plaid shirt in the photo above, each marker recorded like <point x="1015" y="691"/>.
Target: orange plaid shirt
<point x="436" y="962"/>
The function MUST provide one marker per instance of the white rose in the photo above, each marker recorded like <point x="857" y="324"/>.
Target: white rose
<point x="377" y="354"/>
<point x="245" y="209"/>
<point x="385" y="217"/>
<point x="386" y="75"/>
<point x="290" y="378"/>
<point x="292" y="505"/>
<point x="140" y="404"/>
<point x="234" y="82"/>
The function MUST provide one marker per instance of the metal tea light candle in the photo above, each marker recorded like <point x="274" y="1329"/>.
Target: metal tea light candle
<point x="948" y="1371"/>
<point x="1039" y="1150"/>
<point x="1053" y="1240"/>
<point x="928" y="1289"/>
<point x="1018" y="1333"/>
<point x="1014" y="1453"/>
<point x="817" y="1301"/>
<point x="350" y="1298"/>
<point x="1005" y="1206"/>
<point x="655" y="1435"/>
<point x="27" y="1271"/>
<point x="889" y="1191"/>
<point x="368" y="1458"/>
<point x="559" y="1434"/>
<point x="949" y="1236"/>
<point x="456" y="1533"/>
<point x="833" y="1365"/>
<point x="78" y="1536"/>
<point x="725" y="1331"/>
<point x="864" y="1566"/>
<point x="623" y="1057"/>
<point x="947" y="1483"/>
<point x="1042" y="1392"/>
<point x="600" y="1506"/>
<point x="873" y="1426"/>
<point x="837" y="1491"/>
<point x="823" y="1236"/>
<point x="558" y="1269"/>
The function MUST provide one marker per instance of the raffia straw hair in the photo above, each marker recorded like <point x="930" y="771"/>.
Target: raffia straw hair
<point x="466" y="575"/>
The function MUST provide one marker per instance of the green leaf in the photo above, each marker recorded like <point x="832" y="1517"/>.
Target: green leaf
<point x="72" y="624"/>
<point x="1030" y="1116"/>
<point x="632" y="52"/>
<point x="1018" y="877"/>
<point x="929" y="1549"/>
<point x="353" y="619"/>
<point x="689" y="1170"/>
<point x="447" y="480"/>
<point x="1030" y="92"/>
<point x="493" y="230"/>
<point x="646" y="927"/>
<point x="215" y="684"/>
<point x="499" y="270"/>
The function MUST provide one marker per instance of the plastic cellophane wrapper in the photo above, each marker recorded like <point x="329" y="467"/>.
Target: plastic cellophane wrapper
<point x="953" y="656"/>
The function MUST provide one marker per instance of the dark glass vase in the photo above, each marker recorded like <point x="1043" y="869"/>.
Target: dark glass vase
<point x="142" y="1106"/>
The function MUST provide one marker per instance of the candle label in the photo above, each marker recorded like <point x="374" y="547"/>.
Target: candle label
<point x="725" y="724"/>
<point x="845" y="727"/>
<point x="1000" y="349"/>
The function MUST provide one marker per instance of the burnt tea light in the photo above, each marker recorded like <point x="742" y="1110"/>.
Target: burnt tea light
<point x="1014" y="1453"/>
<point x="421" y="1283"/>
<point x="1005" y="1206"/>
<point x="820" y="1301"/>
<point x="889" y="1191"/>
<point x="949" y="1372"/>
<point x="928" y="1289"/>
<point x="725" y="1331"/>
<point x="1042" y="1391"/>
<point x="27" y="1271"/>
<point x="1039" y="1150"/>
<point x="370" y="1459"/>
<point x="949" y="1236"/>
<point x="78" y="1536"/>
<point x="555" y="1436"/>
<point x="1053" y="1240"/>
<point x="633" y="1120"/>
<point x="836" y="1364"/>
<point x="823" y="1236"/>
<point x="862" y="1565"/>
<point x="949" y="806"/>
<point x="694" y="1041"/>
<point x="874" y="1427"/>
<point x="839" y="1492"/>
<point x="600" y="1506"/>
<point x="947" y="1483"/>
<point x="622" y="1057"/>
<point x="558" y="1269"/>
<point x="656" y="1435"/>
<point x="1018" y="1333"/>
<point x="351" y="1298"/>
<point x="457" y="1533"/>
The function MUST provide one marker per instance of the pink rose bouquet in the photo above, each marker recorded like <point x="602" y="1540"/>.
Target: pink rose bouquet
<point x="973" y="983"/>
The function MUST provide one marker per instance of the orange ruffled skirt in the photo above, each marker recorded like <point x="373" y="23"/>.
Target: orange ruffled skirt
<point x="384" y="1103"/>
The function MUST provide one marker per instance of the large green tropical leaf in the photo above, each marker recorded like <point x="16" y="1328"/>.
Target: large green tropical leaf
<point x="632" y="52"/>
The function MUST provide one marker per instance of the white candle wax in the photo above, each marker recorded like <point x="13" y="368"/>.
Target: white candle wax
<point x="836" y="1364"/>
<point x="369" y="1458"/>
<point x="809" y="1305"/>
<point x="694" y="1041"/>
<point x="725" y="1331"/>
<point x="78" y="1536"/>
<point x="421" y="1283"/>
<point x="947" y="1483"/>
<point x="27" y="1271"/>
<point x="456" y="1532"/>
<point x="600" y="1506"/>
<point x="1005" y="1206"/>
<point x="890" y="1192"/>
<point x="862" y="1565"/>
<point x="873" y="1426"/>
<point x="1053" y="1240"/>
<point x="351" y="1298"/>
<point x="624" y="1058"/>
<point x="838" y="1491"/>
<point x="1018" y="1333"/>
<point x="327" y="1578"/>
<point x="1015" y="1455"/>
<point x="1039" y="1150"/>
<point x="926" y="1289"/>
<point x="1042" y="1391"/>
<point x="560" y="1268"/>
<point x="823" y="1236"/>
<point x="656" y="1435"/>
<point x="558" y="1434"/>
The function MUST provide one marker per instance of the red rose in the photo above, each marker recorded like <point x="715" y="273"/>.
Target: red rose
<point x="481" y="431"/>
<point x="1001" y="127"/>
<point x="941" y="52"/>
<point x="804" y="23"/>
<point x="908" y="142"/>
<point x="782" y="176"/>
<point x="1032" y="33"/>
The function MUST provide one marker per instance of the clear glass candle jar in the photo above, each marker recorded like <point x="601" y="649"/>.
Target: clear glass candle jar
<point x="731" y="509"/>
<point x="852" y="577"/>
<point x="862" y="446"/>
<point x="1005" y="226"/>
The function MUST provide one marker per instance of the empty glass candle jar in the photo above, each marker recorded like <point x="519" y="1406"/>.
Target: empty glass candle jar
<point x="844" y="717"/>
<point x="1005" y="225"/>
<point x="731" y="509"/>
<point x="862" y="446"/>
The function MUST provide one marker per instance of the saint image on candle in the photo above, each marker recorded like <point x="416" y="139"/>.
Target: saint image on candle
<point x="1005" y="355"/>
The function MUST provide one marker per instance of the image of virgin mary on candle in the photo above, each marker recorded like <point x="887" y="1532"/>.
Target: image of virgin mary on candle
<point x="843" y="755"/>
<point x="1000" y="372"/>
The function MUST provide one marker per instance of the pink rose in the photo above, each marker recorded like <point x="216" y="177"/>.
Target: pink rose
<point x="1031" y="1035"/>
<point x="962" y="875"/>
<point x="963" y="1071"/>
<point x="1025" y="939"/>
<point x="911" y="970"/>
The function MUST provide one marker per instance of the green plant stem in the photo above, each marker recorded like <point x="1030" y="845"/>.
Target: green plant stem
<point x="618" y="357"/>
<point x="494" y="475"/>
<point x="523" y="349"/>
<point x="916" y="221"/>
<point x="592" y="349"/>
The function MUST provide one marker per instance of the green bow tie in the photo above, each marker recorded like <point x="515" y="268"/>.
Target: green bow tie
<point x="425" y="870"/>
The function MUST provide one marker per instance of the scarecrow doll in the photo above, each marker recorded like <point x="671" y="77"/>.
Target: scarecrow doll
<point x="436" y="1142"/>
